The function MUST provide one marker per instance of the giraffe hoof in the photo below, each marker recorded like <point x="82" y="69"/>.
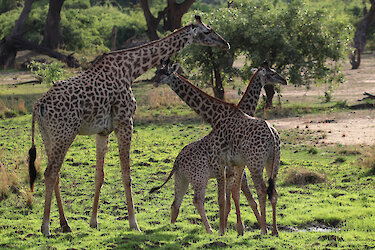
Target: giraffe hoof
<point x="94" y="225"/>
<point x="45" y="231"/>
<point x="240" y="229"/>
<point x="209" y="231"/>
<point x="275" y="233"/>
<point x="66" y="229"/>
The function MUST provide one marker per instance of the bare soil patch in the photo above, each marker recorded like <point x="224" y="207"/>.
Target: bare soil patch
<point x="346" y="128"/>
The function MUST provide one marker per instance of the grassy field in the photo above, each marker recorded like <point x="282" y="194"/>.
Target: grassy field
<point x="326" y="193"/>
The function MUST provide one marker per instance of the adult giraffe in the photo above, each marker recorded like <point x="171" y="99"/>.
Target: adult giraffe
<point x="235" y="141"/>
<point x="99" y="101"/>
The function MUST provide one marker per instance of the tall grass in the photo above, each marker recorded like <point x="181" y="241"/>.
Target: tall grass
<point x="368" y="160"/>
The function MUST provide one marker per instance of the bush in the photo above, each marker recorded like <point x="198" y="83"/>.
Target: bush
<point x="49" y="73"/>
<point x="368" y="161"/>
<point x="301" y="176"/>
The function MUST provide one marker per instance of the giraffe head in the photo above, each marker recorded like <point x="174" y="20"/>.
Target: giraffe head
<point x="205" y="35"/>
<point x="269" y="76"/>
<point x="165" y="72"/>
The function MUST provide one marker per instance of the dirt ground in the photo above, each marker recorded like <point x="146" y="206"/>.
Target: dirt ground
<point x="346" y="128"/>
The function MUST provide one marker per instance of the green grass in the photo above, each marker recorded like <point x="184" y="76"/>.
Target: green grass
<point x="344" y="204"/>
<point x="336" y="213"/>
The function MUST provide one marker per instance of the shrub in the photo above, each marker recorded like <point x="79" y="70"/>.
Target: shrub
<point x="368" y="161"/>
<point x="49" y="73"/>
<point x="302" y="176"/>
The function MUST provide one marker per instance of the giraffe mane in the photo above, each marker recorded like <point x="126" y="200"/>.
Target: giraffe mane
<point x="100" y="57"/>
<point x="248" y="86"/>
<point x="232" y="105"/>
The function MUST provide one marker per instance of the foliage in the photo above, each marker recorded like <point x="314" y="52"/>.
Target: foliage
<point x="7" y="5"/>
<point x="49" y="73"/>
<point x="85" y="28"/>
<point x="306" y="44"/>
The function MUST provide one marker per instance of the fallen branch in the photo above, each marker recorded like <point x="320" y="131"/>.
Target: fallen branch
<point x="368" y="96"/>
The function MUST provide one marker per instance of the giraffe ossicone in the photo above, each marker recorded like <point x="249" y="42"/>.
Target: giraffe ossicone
<point x="196" y="162"/>
<point x="100" y="101"/>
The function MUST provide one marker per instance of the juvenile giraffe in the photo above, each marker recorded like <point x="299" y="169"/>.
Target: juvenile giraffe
<point x="99" y="101"/>
<point x="194" y="163"/>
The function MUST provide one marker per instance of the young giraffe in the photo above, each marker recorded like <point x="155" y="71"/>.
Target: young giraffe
<point x="194" y="163"/>
<point x="99" y="101"/>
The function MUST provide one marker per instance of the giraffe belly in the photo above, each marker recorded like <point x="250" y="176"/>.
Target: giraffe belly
<point x="102" y="126"/>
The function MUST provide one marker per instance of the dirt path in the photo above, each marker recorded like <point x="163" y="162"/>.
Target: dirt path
<point x="347" y="128"/>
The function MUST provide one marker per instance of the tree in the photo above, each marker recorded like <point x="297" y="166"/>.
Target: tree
<point x="52" y="35"/>
<point x="171" y="15"/>
<point x="360" y="35"/>
<point x="16" y="42"/>
<point x="306" y="45"/>
<point x="8" y="51"/>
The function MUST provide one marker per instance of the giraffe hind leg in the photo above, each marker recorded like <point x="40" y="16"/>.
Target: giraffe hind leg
<point x="63" y="221"/>
<point x="124" y="132"/>
<point x="180" y="188"/>
<point x="101" y="149"/>
<point x="246" y="190"/>
<point x="51" y="178"/>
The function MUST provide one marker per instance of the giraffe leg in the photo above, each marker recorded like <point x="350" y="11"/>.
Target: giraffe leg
<point x="236" y="197"/>
<point x="198" y="201"/>
<point x="63" y="222"/>
<point x="221" y="185"/>
<point x="181" y="185"/>
<point x="229" y="184"/>
<point x="50" y="181"/>
<point x="124" y="134"/>
<point x="101" y="149"/>
<point x="260" y="186"/>
<point x="273" y="203"/>
<point x="246" y="190"/>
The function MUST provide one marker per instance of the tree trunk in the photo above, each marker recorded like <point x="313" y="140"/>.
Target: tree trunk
<point x="114" y="36"/>
<point x="360" y="36"/>
<point x="152" y="22"/>
<point x="172" y="15"/>
<point x="175" y="11"/>
<point x="218" y="87"/>
<point x="270" y="92"/>
<point x="52" y="37"/>
<point x="7" y="51"/>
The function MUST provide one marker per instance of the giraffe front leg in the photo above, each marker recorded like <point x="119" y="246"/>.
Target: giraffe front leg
<point x="63" y="221"/>
<point x="101" y="150"/>
<point x="236" y="197"/>
<point x="124" y="135"/>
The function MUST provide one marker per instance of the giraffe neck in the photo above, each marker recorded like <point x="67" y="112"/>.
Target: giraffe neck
<point x="128" y="64"/>
<point x="249" y="100"/>
<point x="211" y="109"/>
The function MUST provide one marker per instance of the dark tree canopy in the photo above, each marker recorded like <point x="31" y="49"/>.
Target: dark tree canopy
<point x="171" y="16"/>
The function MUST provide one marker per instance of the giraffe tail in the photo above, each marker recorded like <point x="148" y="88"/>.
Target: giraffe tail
<point x="271" y="187"/>
<point x="271" y="180"/>
<point x="154" y="189"/>
<point x="32" y="156"/>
